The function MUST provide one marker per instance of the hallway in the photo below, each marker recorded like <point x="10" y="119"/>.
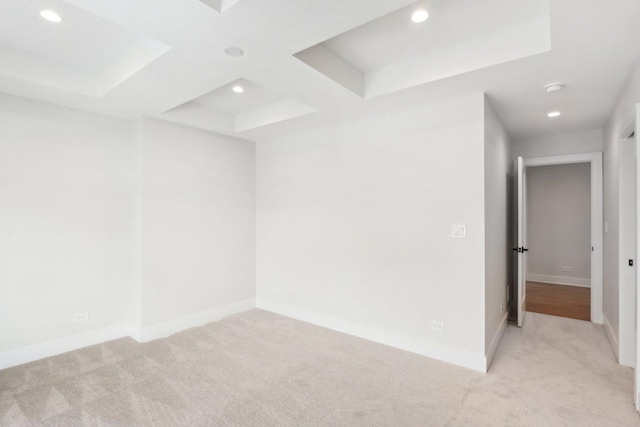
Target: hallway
<point x="559" y="300"/>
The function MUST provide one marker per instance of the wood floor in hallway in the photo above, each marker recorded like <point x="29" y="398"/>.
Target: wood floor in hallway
<point x="559" y="300"/>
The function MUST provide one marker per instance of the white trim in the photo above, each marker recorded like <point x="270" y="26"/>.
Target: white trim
<point x="595" y="159"/>
<point x="613" y="340"/>
<point x="630" y="128"/>
<point x="626" y="250"/>
<point x="559" y="280"/>
<point x="30" y="353"/>
<point x="465" y="358"/>
<point x="495" y="341"/>
<point x="563" y="160"/>
<point x="171" y="327"/>
<point x="636" y="374"/>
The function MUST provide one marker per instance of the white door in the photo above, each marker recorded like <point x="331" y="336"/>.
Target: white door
<point x="627" y="253"/>
<point x="521" y="232"/>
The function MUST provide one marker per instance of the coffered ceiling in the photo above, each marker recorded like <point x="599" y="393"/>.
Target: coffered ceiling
<point x="309" y="63"/>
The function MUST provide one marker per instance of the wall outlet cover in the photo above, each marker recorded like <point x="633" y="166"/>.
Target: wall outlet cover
<point x="81" y="317"/>
<point x="437" y="326"/>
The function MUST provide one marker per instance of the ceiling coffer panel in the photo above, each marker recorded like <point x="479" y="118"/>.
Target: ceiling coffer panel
<point x="55" y="56"/>
<point x="393" y="53"/>
<point x="220" y="5"/>
<point x="237" y="106"/>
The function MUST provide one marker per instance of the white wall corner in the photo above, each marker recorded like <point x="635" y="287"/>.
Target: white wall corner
<point x="39" y="351"/>
<point x="134" y="330"/>
<point x="165" y="329"/>
<point x="491" y="351"/>
<point x="464" y="358"/>
<point x="613" y="340"/>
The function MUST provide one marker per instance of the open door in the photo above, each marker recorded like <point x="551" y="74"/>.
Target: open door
<point x="521" y="240"/>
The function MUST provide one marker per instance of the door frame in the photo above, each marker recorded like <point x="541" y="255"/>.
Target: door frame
<point x="632" y="128"/>
<point x="595" y="159"/>
<point x="627" y="280"/>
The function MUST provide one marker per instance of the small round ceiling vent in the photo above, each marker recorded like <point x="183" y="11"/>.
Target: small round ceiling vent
<point x="554" y="87"/>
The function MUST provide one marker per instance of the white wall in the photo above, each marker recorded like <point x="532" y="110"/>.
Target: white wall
<point x="559" y="223"/>
<point x="66" y="221"/>
<point x="622" y="117"/>
<point x="198" y="221"/>
<point x="560" y="144"/>
<point x="497" y="161"/>
<point x="354" y="228"/>
<point x="146" y="225"/>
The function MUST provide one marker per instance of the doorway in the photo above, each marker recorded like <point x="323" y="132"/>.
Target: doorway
<point x="595" y="248"/>
<point x="559" y="240"/>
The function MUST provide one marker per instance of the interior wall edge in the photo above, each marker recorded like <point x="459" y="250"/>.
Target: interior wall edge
<point x="497" y="337"/>
<point x="620" y="119"/>
<point x="611" y="335"/>
<point x="165" y="329"/>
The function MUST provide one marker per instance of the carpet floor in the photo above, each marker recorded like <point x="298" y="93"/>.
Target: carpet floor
<point x="261" y="369"/>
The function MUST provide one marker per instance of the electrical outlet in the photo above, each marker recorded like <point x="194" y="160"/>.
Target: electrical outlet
<point x="502" y="308"/>
<point x="81" y="317"/>
<point x="437" y="326"/>
<point x="567" y="269"/>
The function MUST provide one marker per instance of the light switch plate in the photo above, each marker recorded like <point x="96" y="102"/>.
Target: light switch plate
<point x="459" y="231"/>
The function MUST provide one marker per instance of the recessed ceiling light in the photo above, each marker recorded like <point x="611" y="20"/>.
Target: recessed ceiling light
<point x="554" y="114"/>
<point x="234" y="51"/>
<point x="50" y="16"/>
<point x="238" y="89"/>
<point x="554" y="87"/>
<point x="420" y="15"/>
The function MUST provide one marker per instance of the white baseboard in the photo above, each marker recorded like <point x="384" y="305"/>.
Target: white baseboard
<point x="496" y="340"/>
<point x="30" y="353"/>
<point x="171" y="327"/>
<point x="559" y="280"/>
<point x="613" y="340"/>
<point x="467" y="359"/>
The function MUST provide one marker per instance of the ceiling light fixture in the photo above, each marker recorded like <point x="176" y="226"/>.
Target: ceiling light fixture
<point x="234" y="51"/>
<point x="554" y="87"/>
<point x="238" y="89"/>
<point x="554" y="114"/>
<point x="50" y="16"/>
<point x="420" y="15"/>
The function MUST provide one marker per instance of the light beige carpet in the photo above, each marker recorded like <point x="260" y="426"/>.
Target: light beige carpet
<point x="260" y="369"/>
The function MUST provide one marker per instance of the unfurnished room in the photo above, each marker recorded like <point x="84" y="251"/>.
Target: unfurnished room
<point x="319" y="213"/>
